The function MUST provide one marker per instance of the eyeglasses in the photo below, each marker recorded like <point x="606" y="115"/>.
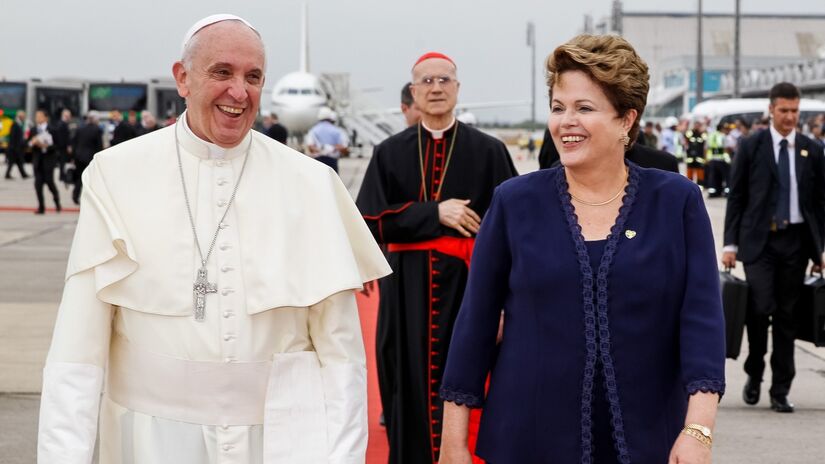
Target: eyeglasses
<point x="429" y="81"/>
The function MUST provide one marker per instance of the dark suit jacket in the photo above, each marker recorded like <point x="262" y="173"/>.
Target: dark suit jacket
<point x="45" y="159"/>
<point x="664" y="315"/>
<point x="754" y="191"/>
<point x="642" y="155"/>
<point x="17" y="141"/>
<point x="88" y="141"/>
<point x="60" y="133"/>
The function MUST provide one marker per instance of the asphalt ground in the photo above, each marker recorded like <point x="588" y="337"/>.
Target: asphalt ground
<point x="33" y="254"/>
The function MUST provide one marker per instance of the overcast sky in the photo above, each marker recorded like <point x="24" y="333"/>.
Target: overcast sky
<point x="376" y="41"/>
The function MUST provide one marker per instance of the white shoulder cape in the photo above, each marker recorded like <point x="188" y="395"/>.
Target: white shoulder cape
<point x="303" y="238"/>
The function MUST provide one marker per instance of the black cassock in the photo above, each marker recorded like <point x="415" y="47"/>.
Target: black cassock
<point x="420" y="300"/>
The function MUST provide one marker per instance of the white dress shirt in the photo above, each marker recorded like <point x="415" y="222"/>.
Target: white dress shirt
<point x="796" y="215"/>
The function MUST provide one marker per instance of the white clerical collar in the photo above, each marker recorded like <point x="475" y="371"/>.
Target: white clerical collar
<point x="777" y="137"/>
<point x="208" y="150"/>
<point x="438" y="134"/>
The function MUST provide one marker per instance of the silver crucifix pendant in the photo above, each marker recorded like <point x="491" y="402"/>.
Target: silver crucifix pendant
<point x="201" y="287"/>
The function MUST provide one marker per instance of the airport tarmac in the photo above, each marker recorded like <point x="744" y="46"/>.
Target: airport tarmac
<point x="33" y="254"/>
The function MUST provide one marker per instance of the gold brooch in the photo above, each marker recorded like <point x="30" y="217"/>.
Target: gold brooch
<point x="804" y="153"/>
<point x="629" y="233"/>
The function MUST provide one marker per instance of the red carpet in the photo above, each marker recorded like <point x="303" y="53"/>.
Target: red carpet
<point x="378" y="448"/>
<point x="29" y="209"/>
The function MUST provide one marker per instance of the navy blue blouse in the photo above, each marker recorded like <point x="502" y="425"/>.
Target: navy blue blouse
<point x="644" y="322"/>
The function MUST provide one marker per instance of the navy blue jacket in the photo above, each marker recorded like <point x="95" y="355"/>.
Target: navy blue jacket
<point x="657" y="327"/>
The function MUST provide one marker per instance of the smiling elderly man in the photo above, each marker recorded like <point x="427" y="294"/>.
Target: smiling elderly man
<point x="424" y="194"/>
<point x="220" y="315"/>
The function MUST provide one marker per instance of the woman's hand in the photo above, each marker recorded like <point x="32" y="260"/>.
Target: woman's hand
<point x="454" y="435"/>
<point x="455" y="455"/>
<point x="688" y="450"/>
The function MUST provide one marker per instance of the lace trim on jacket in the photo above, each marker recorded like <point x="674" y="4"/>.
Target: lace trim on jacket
<point x="460" y="398"/>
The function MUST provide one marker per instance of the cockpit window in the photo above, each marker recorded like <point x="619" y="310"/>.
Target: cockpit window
<point x="306" y="91"/>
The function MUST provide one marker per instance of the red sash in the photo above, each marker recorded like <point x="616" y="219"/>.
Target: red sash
<point x="461" y="248"/>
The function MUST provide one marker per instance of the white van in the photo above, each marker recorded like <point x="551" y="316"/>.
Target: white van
<point x="748" y="110"/>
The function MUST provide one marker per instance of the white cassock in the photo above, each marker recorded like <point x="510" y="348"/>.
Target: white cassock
<point x="276" y="371"/>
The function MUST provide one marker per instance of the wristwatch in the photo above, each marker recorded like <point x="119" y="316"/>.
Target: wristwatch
<point x="699" y="432"/>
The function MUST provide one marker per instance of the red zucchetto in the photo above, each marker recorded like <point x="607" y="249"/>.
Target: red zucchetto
<point x="431" y="55"/>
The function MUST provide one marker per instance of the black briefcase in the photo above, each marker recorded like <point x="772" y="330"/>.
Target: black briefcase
<point x="810" y="311"/>
<point x="735" y="304"/>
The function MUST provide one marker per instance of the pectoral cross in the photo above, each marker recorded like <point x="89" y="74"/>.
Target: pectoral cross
<point x="201" y="287"/>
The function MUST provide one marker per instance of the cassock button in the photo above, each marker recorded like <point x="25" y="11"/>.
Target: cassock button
<point x="224" y="427"/>
<point x="228" y="337"/>
<point x="226" y="291"/>
<point x="221" y="203"/>
<point x="225" y="246"/>
<point x="227" y="447"/>
<point x="226" y="268"/>
<point x="227" y="314"/>
<point x="222" y="182"/>
<point x="219" y="163"/>
<point x="229" y="359"/>
<point x="223" y="225"/>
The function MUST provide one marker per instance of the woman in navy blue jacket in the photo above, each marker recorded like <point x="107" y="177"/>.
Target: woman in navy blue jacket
<point x="613" y="345"/>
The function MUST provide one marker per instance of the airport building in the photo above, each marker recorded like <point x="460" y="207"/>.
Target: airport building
<point x="772" y="47"/>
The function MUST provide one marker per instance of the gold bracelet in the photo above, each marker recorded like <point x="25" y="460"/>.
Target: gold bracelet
<point x="699" y="432"/>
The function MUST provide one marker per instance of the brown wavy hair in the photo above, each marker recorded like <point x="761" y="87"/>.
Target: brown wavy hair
<point x="612" y="63"/>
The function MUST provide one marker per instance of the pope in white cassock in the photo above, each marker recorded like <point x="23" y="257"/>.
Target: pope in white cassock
<point x="209" y="311"/>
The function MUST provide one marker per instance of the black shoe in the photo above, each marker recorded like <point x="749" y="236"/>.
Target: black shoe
<point x="57" y="207"/>
<point x="40" y="211"/>
<point x="781" y="404"/>
<point x="751" y="391"/>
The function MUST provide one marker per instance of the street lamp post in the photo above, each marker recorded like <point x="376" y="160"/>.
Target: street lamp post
<point x="700" y="71"/>
<point x="531" y="42"/>
<point x="736" y="50"/>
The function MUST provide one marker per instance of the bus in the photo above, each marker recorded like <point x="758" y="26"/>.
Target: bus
<point x="159" y="96"/>
<point x="12" y="99"/>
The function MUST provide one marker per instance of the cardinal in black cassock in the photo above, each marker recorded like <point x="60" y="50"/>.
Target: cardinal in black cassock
<point x="414" y="200"/>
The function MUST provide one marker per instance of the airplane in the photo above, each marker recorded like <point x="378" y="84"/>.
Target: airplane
<point x="297" y="97"/>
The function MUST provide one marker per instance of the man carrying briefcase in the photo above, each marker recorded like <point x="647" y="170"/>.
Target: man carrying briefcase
<point x="775" y="223"/>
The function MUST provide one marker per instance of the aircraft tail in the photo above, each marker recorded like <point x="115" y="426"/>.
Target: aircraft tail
<point x="305" y="39"/>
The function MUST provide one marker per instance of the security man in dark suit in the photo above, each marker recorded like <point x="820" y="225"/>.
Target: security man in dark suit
<point x="17" y="145"/>
<point x="44" y="159"/>
<point x="87" y="142"/>
<point x="775" y="223"/>
<point x="62" y="137"/>
<point x="638" y="154"/>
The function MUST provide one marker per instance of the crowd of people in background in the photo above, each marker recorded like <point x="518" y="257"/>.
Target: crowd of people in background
<point x="68" y="144"/>
<point x="707" y="151"/>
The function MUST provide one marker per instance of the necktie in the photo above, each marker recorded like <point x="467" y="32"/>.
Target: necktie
<point x="783" y="201"/>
